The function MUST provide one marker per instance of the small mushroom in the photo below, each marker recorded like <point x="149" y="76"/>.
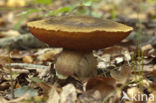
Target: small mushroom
<point x="78" y="35"/>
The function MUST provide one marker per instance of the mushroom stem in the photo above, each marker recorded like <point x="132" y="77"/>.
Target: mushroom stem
<point x="79" y="63"/>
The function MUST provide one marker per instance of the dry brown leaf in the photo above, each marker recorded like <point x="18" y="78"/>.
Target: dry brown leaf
<point x="2" y="100"/>
<point x="141" y="16"/>
<point x="20" y="99"/>
<point x="153" y="93"/>
<point x="10" y="33"/>
<point x="48" y="54"/>
<point x="123" y="75"/>
<point x="68" y="94"/>
<point x="16" y="3"/>
<point x="146" y="47"/>
<point x="3" y="52"/>
<point x="134" y="92"/>
<point x="119" y="60"/>
<point x="104" y="85"/>
<point x="54" y="96"/>
<point x="151" y="75"/>
<point x="27" y="59"/>
<point x="45" y="87"/>
<point x="4" y="86"/>
<point x="104" y="61"/>
<point x="114" y="50"/>
<point x="2" y="3"/>
<point x="127" y="56"/>
<point x="2" y="23"/>
<point x="153" y="85"/>
<point x="18" y="54"/>
<point x="131" y="102"/>
<point x="4" y="59"/>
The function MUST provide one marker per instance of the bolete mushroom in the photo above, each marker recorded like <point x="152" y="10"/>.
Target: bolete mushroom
<point x="78" y="35"/>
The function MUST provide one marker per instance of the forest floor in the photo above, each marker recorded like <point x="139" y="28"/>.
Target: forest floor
<point x="126" y="71"/>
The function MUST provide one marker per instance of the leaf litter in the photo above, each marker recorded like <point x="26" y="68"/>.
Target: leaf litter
<point x="117" y="67"/>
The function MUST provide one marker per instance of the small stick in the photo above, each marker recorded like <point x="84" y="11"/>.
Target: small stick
<point x="26" y="66"/>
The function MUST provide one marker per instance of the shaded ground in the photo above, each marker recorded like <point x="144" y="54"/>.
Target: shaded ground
<point x="27" y="65"/>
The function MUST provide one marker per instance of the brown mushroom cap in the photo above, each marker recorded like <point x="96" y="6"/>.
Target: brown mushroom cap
<point x="79" y="32"/>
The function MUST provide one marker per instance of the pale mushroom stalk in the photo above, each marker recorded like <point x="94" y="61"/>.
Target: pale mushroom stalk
<point x="78" y="35"/>
<point x="81" y="63"/>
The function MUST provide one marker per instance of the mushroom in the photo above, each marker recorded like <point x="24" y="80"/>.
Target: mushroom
<point x="78" y="35"/>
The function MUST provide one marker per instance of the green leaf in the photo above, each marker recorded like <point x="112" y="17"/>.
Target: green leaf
<point x="44" y="2"/>
<point x="35" y="79"/>
<point x="61" y="10"/>
<point x="88" y="3"/>
<point x="30" y="11"/>
<point x="152" y="1"/>
<point x="113" y="13"/>
<point x="94" y="14"/>
<point x="23" y="90"/>
<point x="24" y="15"/>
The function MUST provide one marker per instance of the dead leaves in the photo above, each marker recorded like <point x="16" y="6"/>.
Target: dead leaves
<point x="45" y="87"/>
<point x="67" y="95"/>
<point x="2" y="23"/>
<point x="4" y="59"/>
<point x="39" y="63"/>
<point x="48" y="54"/>
<point x="104" y="85"/>
<point x="111" y="56"/>
<point x="10" y="33"/>
<point x="15" y="3"/>
<point x="4" y="86"/>
<point x="123" y="75"/>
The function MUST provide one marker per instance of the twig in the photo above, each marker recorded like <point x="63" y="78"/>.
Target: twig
<point x="26" y="66"/>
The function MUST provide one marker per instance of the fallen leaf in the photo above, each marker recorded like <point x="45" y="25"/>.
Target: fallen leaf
<point x="151" y="76"/>
<point x="4" y="59"/>
<point x="2" y="23"/>
<point x="27" y="59"/>
<point x="2" y="100"/>
<point x="10" y="33"/>
<point x="25" y="90"/>
<point x="114" y="50"/>
<point x="151" y="96"/>
<point x="4" y="86"/>
<point x="104" y="85"/>
<point x="122" y="75"/>
<point x="68" y="94"/>
<point x="54" y="96"/>
<point x="127" y="55"/>
<point x="146" y="47"/>
<point x="45" y="87"/>
<point x="15" y="3"/>
<point x="2" y="3"/>
<point x="119" y="60"/>
<point x="48" y="53"/>
<point x="135" y="91"/>
<point x="104" y="61"/>
<point x="20" y="99"/>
